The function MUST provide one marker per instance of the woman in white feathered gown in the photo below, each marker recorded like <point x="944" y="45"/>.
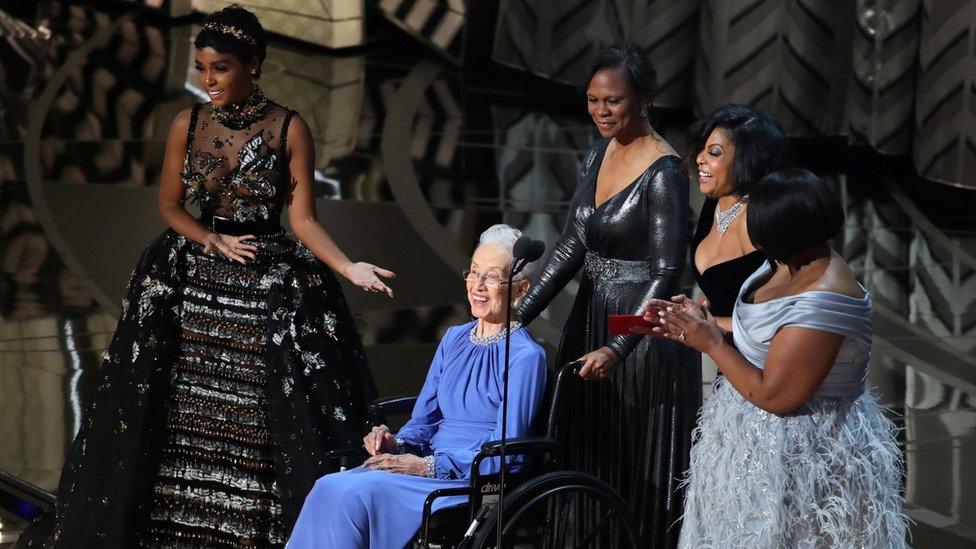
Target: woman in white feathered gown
<point x="790" y="449"/>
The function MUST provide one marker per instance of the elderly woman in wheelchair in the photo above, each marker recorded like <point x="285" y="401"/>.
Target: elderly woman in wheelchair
<point x="380" y="504"/>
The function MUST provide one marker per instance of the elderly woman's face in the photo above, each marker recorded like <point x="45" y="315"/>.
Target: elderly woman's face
<point x="490" y="261"/>
<point x="715" y="165"/>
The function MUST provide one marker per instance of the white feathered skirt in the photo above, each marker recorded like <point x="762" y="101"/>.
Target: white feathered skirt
<point x="826" y="475"/>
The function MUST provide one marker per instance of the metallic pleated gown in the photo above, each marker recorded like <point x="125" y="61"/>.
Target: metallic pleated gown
<point x="634" y="429"/>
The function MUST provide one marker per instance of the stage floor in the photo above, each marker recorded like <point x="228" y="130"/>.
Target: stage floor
<point x="415" y="158"/>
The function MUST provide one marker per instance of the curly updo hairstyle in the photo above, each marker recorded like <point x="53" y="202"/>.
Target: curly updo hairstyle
<point x="632" y="63"/>
<point x="247" y="23"/>
<point x="761" y="146"/>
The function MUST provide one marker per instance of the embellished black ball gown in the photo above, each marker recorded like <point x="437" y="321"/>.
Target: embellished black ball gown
<point x="225" y="384"/>
<point x="634" y="429"/>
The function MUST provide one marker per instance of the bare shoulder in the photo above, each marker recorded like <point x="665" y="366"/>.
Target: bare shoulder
<point x="181" y="123"/>
<point x="838" y="278"/>
<point x="299" y="136"/>
<point x="298" y="128"/>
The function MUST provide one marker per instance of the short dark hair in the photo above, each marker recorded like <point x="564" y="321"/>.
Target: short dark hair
<point x="792" y="210"/>
<point x="761" y="146"/>
<point x="631" y="62"/>
<point x="243" y="20"/>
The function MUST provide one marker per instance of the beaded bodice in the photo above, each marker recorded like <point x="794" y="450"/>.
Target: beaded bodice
<point x="240" y="174"/>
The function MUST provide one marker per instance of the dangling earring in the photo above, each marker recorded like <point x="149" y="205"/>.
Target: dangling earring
<point x="644" y="112"/>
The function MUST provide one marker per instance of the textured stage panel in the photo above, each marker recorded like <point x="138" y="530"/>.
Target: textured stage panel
<point x="945" y="105"/>
<point x="173" y="8"/>
<point x="881" y="94"/>
<point x="329" y="23"/>
<point x="327" y="93"/>
<point x="787" y="58"/>
<point x="437" y="23"/>
<point x="555" y="38"/>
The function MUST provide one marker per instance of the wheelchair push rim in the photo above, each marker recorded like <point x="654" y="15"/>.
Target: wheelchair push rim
<point x="542" y="494"/>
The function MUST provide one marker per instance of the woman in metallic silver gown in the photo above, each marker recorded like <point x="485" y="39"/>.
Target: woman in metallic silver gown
<point x="235" y="366"/>
<point x="630" y="424"/>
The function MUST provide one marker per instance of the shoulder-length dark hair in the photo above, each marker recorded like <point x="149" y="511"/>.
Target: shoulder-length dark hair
<point x="761" y="146"/>
<point x="243" y="20"/>
<point x="792" y="210"/>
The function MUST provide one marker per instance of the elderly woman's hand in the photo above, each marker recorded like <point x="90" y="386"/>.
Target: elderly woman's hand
<point x="379" y="441"/>
<point x="598" y="364"/>
<point x="405" y="464"/>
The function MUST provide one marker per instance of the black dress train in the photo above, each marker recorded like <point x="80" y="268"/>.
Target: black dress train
<point x="225" y="384"/>
<point x="634" y="430"/>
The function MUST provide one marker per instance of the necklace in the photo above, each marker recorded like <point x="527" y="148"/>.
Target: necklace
<point x="488" y="340"/>
<point x="241" y="115"/>
<point x="725" y="219"/>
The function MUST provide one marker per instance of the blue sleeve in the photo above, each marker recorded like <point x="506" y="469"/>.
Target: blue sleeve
<point x="526" y="388"/>
<point x="426" y="415"/>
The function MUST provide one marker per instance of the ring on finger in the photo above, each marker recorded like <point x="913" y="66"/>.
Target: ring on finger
<point x="681" y="336"/>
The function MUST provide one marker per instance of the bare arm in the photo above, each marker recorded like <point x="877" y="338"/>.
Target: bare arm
<point x="172" y="194"/>
<point x="798" y="360"/>
<point x="305" y="224"/>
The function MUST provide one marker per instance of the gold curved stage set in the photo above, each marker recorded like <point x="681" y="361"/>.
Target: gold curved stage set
<point x="434" y="119"/>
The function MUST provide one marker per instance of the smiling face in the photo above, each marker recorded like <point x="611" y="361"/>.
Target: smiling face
<point x="488" y="304"/>
<point x="613" y="103"/>
<point x="225" y="78"/>
<point x="715" y="165"/>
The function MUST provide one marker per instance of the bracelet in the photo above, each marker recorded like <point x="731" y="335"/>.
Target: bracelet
<point x="430" y="472"/>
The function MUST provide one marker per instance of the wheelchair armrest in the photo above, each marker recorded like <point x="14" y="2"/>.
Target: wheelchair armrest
<point x="392" y="406"/>
<point x="519" y="445"/>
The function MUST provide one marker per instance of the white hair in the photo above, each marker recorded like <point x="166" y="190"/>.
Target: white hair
<point x="504" y="236"/>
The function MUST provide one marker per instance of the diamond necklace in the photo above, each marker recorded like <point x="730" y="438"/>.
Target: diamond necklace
<point x="725" y="219"/>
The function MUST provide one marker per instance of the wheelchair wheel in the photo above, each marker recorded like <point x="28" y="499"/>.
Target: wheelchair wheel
<point x="561" y="509"/>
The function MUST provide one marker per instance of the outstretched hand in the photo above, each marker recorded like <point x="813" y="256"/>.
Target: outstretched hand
<point x="367" y="276"/>
<point x="235" y="248"/>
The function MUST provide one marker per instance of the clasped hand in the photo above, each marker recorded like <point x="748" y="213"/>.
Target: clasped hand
<point x="235" y="248"/>
<point x="683" y="320"/>
<point x="379" y="443"/>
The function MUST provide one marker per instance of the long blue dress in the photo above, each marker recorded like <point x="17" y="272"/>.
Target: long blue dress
<point x="458" y="409"/>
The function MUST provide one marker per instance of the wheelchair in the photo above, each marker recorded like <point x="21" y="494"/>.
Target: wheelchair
<point x="539" y="497"/>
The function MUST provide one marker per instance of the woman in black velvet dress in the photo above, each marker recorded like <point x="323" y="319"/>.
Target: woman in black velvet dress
<point x="731" y="149"/>
<point x="631" y="423"/>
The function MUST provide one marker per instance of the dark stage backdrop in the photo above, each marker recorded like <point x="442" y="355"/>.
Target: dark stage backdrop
<point x="896" y="75"/>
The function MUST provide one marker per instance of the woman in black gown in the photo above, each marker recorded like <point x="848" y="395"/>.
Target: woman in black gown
<point x="627" y="230"/>
<point x="235" y="366"/>
<point x="731" y="149"/>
